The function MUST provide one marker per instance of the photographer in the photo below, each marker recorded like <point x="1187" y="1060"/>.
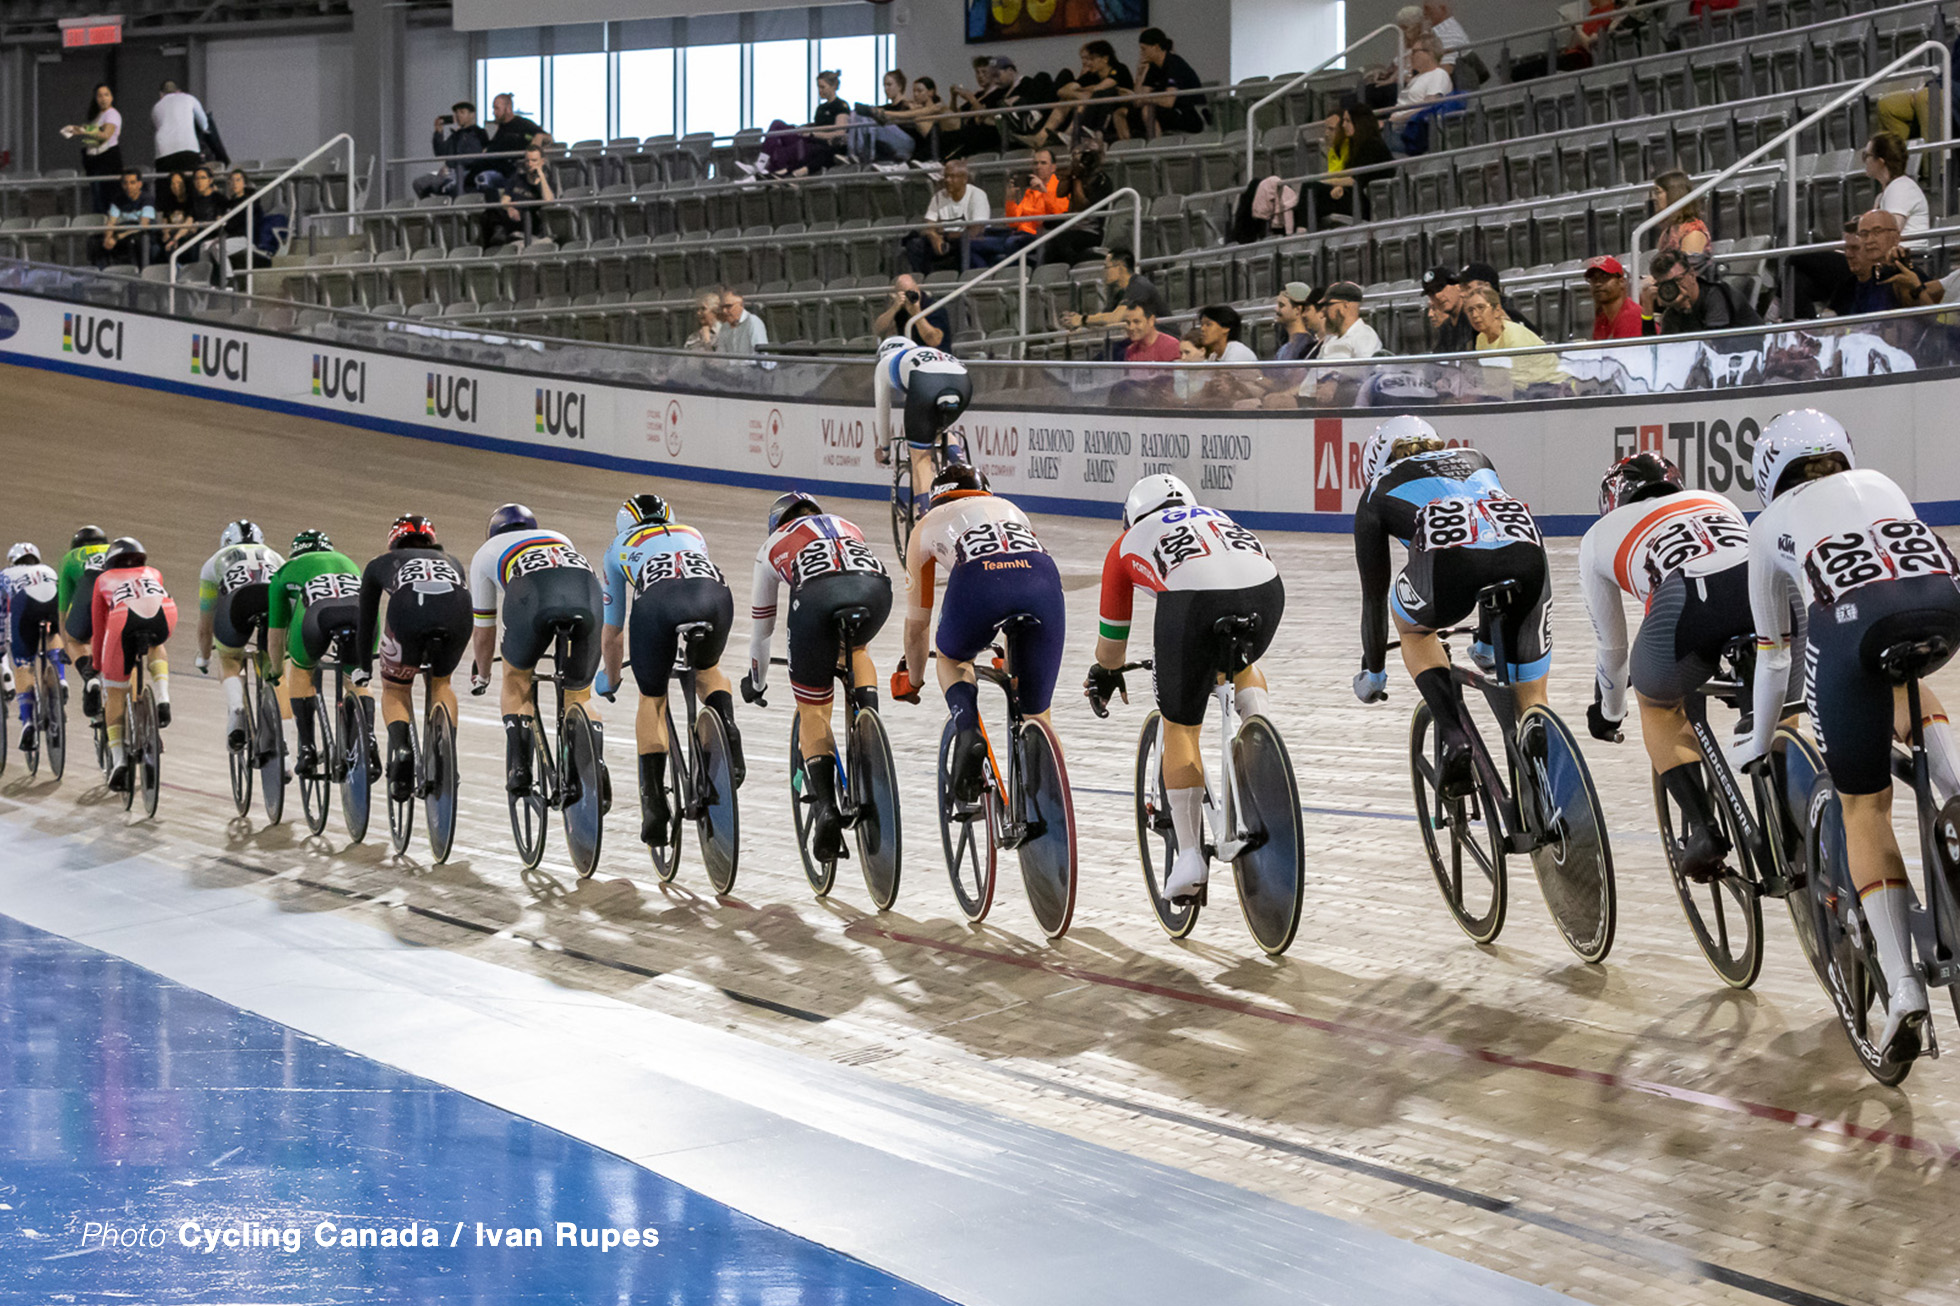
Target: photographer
<point x="909" y="300"/>
<point x="504" y="220"/>
<point x="1033" y="194"/>
<point x="1687" y="302"/>
<point x="463" y="142"/>
<point x="1896" y="280"/>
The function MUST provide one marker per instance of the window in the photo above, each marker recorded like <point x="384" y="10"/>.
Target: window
<point x="522" y="77"/>
<point x="861" y="61"/>
<point x="714" y="89"/>
<point x="781" y="81"/>
<point x="646" y="92"/>
<point x="578" y="98"/>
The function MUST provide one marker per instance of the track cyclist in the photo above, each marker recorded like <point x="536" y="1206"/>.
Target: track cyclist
<point x="936" y="390"/>
<point x="130" y="607"/>
<point x="1684" y="554"/>
<point x="995" y="569"/>
<point x="828" y="567"/>
<point x="1463" y="534"/>
<point x="315" y="593"/>
<point x="232" y="592"/>
<point x="1203" y="567"/>
<point x="1842" y="544"/>
<point x="542" y="581"/>
<point x="74" y="597"/>
<point x="28" y="589"/>
<point x="428" y="621"/>
<point x="659" y="577"/>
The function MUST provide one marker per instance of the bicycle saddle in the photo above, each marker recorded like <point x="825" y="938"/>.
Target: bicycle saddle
<point x="851" y="622"/>
<point x="1020" y="621"/>
<point x="1499" y="595"/>
<point x="1910" y="659"/>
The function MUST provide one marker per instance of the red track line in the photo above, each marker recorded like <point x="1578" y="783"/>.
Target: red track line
<point x="1605" y="1079"/>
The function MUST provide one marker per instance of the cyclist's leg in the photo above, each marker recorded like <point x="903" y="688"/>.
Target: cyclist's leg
<point x="1185" y="658"/>
<point x="580" y="598"/>
<point x="1267" y="601"/>
<point x="20" y="654"/>
<point x="525" y="640"/>
<point x="403" y="640"/>
<point x="115" y="697"/>
<point x="1436" y="588"/>
<point x="978" y="599"/>
<point x="231" y="633"/>
<point x="1528" y="621"/>
<point x="1942" y="757"/>
<point x="652" y="639"/>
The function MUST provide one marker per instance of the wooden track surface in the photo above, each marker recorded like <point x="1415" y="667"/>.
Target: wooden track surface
<point x="1627" y="1132"/>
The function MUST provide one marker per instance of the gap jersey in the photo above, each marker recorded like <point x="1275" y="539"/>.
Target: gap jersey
<point x="1183" y="548"/>
<point x="642" y="556"/>
<point x="234" y="567"/>
<point x="503" y="558"/>
<point x="970" y="524"/>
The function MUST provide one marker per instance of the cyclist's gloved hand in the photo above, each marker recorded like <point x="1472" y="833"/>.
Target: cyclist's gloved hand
<point x="1102" y="684"/>
<point x="203" y="665"/>
<point x="1744" y="750"/>
<point x="904" y="688"/>
<point x="752" y="692"/>
<point x="1604" y="728"/>
<point x="603" y="686"/>
<point x="360" y="676"/>
<point x="1371" y="686"/>
<point x="1483" y="655"/>
<point x="273" y="675"/>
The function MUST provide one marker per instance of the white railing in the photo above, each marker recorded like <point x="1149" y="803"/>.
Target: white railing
<point x="249" y="207"/>
<point x="1299" y="79"/>
<point x="1787" y="140"/>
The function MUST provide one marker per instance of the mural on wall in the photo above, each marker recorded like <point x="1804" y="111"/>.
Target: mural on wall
<point x="1013" y="20"/>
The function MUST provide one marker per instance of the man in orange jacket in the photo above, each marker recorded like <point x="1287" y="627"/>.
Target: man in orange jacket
<point x="1041" y="194"/>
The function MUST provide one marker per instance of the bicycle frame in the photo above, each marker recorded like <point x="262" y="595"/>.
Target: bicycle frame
<point x="1011" y="826"/>
<point x="1758" y="843"/>
<point x="1498" y="693"/>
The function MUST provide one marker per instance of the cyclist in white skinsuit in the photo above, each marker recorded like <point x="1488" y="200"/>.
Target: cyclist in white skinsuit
<point x="1684" y="555"/>
<point x="232" y="591"/>
<point x="935" y="390"/>
<point x="1846" y="546"/>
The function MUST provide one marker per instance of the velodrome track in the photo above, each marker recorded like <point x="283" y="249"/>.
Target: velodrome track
<point x="1627" y="1132"/>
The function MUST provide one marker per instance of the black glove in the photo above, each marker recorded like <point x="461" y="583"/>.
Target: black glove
<point x="1604" y="728"/>
<point x="1102" y="684"/>
<point x="750" y="694"/>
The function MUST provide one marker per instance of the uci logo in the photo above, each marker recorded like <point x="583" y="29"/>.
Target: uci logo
<point x="560" y="412"/>
<point x="217" y="356"/>
<point x="340" y="378"/>
<point x="85" y="333"/>
<point x="451" y="396"/>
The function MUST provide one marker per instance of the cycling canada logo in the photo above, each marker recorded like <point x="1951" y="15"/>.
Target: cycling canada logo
<point x="451" y="396"/>
<point x="560" y="412"/>
<point x="85" y="333"/>
<point x="219" y="356"/>
<point x="775" y="437"/>
<point x="340" y="378"/>
<point x="673" y="428"/>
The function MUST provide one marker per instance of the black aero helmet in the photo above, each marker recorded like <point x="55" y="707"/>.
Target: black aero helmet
<point x="511" y="517"/>
<point x="89" y="535"/>
<point x="790" y="506"/>
<point x="642" y="509"/>
<point x="412" y="530"/>
<point x="310" y="542"/>
<point x="1645" y="475"/>
<point x="125" y="551"/>
<point x="956" y="477"/>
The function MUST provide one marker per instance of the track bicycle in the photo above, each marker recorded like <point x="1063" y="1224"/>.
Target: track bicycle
<point x="7" y="696"/>
<point x="142" y="734"/>
<point x="1253" y="819"/>
<point x="867" y="781"/>
<point x="316" y="787"/>
<point x="1026" y="809"/>
<point x="263" y="751"/>
<point x="433" y="746"/>
<point x="567" y="772"/>
<point x="50" y="720"/>
<point x="1845" y="958"/>
<point x="1551" y="811"/>
<point x="700" y="780"/>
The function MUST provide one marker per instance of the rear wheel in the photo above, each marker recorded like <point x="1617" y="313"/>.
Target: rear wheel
<point x="1575" y="862"/>
<point x="1156" y="836"/>
<point x="1726" y="914"/>
<point x="354" y="737"/>
<point x="880" y="840"/>
<point x="719" y="829"/>
<point x="1469" y="868"/>
<point x="1848" y="961"/>
<point x="821" y="874"/>
<point x="584" y="821"/>
<point x="440" y="781"/>
<point x="966" y="832"/>
<point x="51" y="711"/>
<point x="269" y="752"/>
<point x="1271" y="875"/>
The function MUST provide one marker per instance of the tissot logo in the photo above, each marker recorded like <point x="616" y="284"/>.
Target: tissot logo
<point x="561" y="412"/>
<point x="221" y="356"/>
<point x="451" y="396"/>
<point x="335" y="377"/>
<point x="1712" y="455"/>
<point x="86" y="333"/>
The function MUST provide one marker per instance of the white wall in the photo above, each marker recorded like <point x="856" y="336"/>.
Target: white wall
<point x="932" y="40"/>
<point x="437" y="73"/>
<point x="1285" y="36"/>
<point x="278" y="97"/>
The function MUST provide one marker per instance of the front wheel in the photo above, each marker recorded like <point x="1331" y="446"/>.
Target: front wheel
<point x="821" y="874"/>
<point x="354" y="736"/>
<point x="401" y="811"/>
<point x="530" y="811"/>
<point x="51" y="710"/>
<point x="966" y="832"/>
<point x="719" y="828"/>
<point x="584" y="821"/>
<point x="269" y="752"/>
<point x="316" y="790"/>
<point x="1271" y="873"/>
<point x="1848" y="965"/>
<point x="1472" y="875"/>
<point x="439" y="783"/>
<point x="1156" y="836"/>
<point x="1574" y="859"/>
<point x="1725" y="914"/>
<point x="880" y="840"/>
<point x="146" y="752"/>
<point x="667" y="851"/>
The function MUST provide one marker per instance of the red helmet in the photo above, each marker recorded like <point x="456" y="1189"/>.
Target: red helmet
<point x="1640" y="476"/>
<point x="412" y="530"/>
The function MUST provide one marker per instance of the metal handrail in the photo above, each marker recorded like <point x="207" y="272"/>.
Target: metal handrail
<point x="1019" y="258"/>
<point x="1252" y="114"/>
<point x="1788" y="140"/>
<point x="249" y="204"/>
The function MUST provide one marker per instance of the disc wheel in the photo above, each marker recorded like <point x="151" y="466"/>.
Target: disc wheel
<point x="1849" y="969"/>
<point x="584" y="821"/>
<point x="1047" y="854"/>
<point x="1469" y="868"/>
<point x="51" y="711"/>
<point x="666" y="852"/>
<point x="821" y="874"/>
<point x="1946" y="849"/>
<point x="1726" y="914"/>
<point x="1575" y="863"/>
<point x="1156" y="836"/>
<point x="530" y="810"/>
<point x="1271" y="874"/>
<point x="146" y="758"/>
<point x="401" y="811"/>
<point x="316" y="791"/>
<point x="269" y="752"/>
<point x="439" y="783"/>
<point x="354" y="737"/>
<point x="719" y="827"/>
<point x="966" y="833"/>
<point x="880" y="840"/>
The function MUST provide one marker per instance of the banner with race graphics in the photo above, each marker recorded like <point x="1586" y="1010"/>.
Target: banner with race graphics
<point x="1281" y="470"/>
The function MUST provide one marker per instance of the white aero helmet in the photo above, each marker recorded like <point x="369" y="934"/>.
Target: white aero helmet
<point x="1798" y="434"/>
<point x="1375" y="460"/>
<point x="1152" y="494"/>
<point x="22" y="550"/>
<point x="241" y="532"/>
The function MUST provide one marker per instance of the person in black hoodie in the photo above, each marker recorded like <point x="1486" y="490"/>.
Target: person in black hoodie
<point x="1341" y="195"/>
<point x="457" y="136"/>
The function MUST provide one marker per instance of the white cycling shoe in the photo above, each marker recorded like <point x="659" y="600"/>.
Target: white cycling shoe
<point x="1188" y="874"/>
<point x="1904" y="1036"/>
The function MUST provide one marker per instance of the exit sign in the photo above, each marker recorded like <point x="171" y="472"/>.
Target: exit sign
<point x="96" y="30"/>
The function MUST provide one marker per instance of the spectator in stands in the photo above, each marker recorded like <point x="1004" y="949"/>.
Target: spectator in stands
<point x="173" y="204"/>
<point x="1450" y="331"/>
<point x="1447" y="31"/>
<point x="1474" y="275"/>
<point x="1172" y="108"/>
<point x="529" y="186"/>
<point x="100" y="133"/>
<point x="1103" y="77"/>
<point x="127" y="238"/>
<point x="176" y="118"/>
<point x="1088" y="183"/>
<point x="1828" y="278"/>
<point x="206" y="205"/>
<point x="1188" y="385"/>
<point x="1297" y="309"/>
<point x="1615" y="315"/>
<point x="791" y="151"/>
<point x="1690" y="302"/>
<point x="976" y="135"/>
<point x="958" y="210"/>
<point x="742" y="332"/>
<point x="1123" y="286"/>
<point x="1529" y="376"/>
<point x="514" y="134"/>
<point x="920" y="117"/>
<point x="1364" y="148"/>
<point x="878" y="136"/>
<point x="1684" y="231"/>
<point x="1218" y="331"/>
<point x="707" y="323"/>
<point x="1346" y="334"/>
<point x="1907" y="114"/>
<point x="1896" y="279"/>
<point x="1033" y="194"/>
<point x="1380" y="84"/>
<point x="251" y="229"/>
<point x="1146" y="344"/>
<point x="909" y="299"/>
<point x="457" y="136"/>
<point x="1886" y="164"/>
<point x="1430" y="85"/>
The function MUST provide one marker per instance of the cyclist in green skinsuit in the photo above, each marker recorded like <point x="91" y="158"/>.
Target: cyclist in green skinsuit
<point x="74" y="590"/>
<point x="313" y="596"/>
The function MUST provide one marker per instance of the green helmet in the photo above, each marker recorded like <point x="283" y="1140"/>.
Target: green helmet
<point x="311" y="542"/>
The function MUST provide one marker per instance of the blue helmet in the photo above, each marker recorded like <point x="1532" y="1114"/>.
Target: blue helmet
<point x="790" y="506"/>
<point x="511" y="517"/>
